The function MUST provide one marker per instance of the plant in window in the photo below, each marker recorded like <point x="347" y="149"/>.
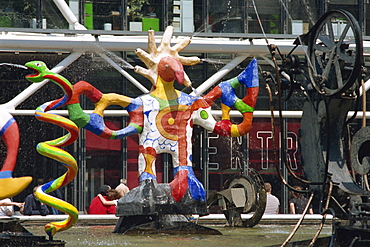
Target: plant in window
<point x="135" y="9"/>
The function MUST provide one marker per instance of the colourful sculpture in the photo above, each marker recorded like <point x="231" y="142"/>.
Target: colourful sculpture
<point x="9" y="132"/>
<point x="52" y="148"/>
<point x="163" y="118"/>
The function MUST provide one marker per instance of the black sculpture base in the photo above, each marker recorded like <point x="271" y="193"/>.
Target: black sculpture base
<point x="151" y="209"/>
<point x="14" y="234"/>
<point x="161" y="224"/>
<point x="151" y="198"/>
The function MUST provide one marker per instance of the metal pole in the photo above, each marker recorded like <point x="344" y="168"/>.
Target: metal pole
<point x="283" y="149"/>
<point x="123" y="118"/>
<point x="124" y="15"/>
<point x="205" y="158"/>
<point x="283" y="20"/>
<point x="81" y="196"/>
<point x="124" y="153"/>
<point x="166" y="169"/>
<point x="216" y="113"/>
<point x="81" y="11"/>
<point x="39" y="14"/>
<point x="165" y="11"/>
<point x="285" y="191"/>
<point x="361" y="15"/>
<point x="245" y="16"/>
<point x="205" y="15"/>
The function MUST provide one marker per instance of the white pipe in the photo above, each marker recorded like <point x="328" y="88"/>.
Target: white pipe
<point x="97" y="217"/>
<point x="68" y="15"/>
<point x="216" y="113"/>
<point x="87" y="43"/>
<point x="36" y="86"/>
<point x="124" y="73"/>
<point x="367" y="87"/>
<point x="113" y="218"/>
<point x="219" y="74"/>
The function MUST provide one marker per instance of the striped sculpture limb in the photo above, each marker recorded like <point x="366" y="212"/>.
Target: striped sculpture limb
<point x="51" y="149"/>
<point x="9" y="133"/>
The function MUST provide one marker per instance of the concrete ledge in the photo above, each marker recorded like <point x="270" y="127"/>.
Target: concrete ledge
<point x="212" y="219"/>
<point x="83" y="219"/>
<point x="269" y="219"/>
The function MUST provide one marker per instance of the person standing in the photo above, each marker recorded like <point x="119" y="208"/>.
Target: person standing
<point x="32" y="206"/>
<point x="272" y="202"/>
<point x="6" y="207"/>
<point x="122" y="187"/>
<point x="298" y="202"/>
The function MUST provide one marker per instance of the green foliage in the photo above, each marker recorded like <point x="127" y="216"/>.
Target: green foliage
<point x="135" y="10"/>
<point x="27" y="7"/>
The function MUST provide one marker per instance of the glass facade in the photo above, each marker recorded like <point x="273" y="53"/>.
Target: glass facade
<point x="216" y="16"/>
<point x="103" y="161"/>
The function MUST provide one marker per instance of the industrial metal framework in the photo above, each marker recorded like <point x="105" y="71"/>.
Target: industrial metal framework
<point x="77" y="43"/>
<point x="80" y="41"/>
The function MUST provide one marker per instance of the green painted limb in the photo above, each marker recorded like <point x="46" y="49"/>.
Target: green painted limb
<point x="77" y="115"/>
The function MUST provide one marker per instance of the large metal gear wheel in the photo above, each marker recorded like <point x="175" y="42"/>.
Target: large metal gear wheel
<point x="335" y="52"/>
<point x="254" y="199"/>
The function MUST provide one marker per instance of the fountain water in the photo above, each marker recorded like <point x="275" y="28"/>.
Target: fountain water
<point x="14" y="65"/>
<point x="123" y="63"/>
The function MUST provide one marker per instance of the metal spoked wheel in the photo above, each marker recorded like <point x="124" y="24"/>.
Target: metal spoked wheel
<point x="255" y="196"/>
<point x="335" y="52"/>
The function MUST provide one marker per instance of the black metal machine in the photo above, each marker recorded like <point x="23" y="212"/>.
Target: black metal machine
<point x="335" y="163"/>
<point x="241" y="194"/>
<point x="334" y="65"/>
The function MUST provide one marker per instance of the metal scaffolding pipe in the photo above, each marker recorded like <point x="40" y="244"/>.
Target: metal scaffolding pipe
<point x="87" y="43"/>
<point x="55" y="42"/>
<point x="17" y="100"/>
<point x="367" y="87"/>
<point x="216" y="113"/>
<point x="68" y="15"/>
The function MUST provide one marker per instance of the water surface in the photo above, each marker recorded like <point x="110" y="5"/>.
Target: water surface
<point x="260" y="235"/>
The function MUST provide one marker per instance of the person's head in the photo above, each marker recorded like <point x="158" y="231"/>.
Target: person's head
<point x="103" y="189"/>
<point x="113" y="194"/>
<point x="40" y="181"/>
<point x="151" y="8"/>
<point x="296" y="194"/>
<point x="123" y="181"/>
<point x="268" y="187"/>
<point x="34" y="190"/>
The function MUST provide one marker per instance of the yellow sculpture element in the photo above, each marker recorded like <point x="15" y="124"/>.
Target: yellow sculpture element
<point x="11" y="187"/>
<point x="9" y="133"/>
<point x="152" y="59"/>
